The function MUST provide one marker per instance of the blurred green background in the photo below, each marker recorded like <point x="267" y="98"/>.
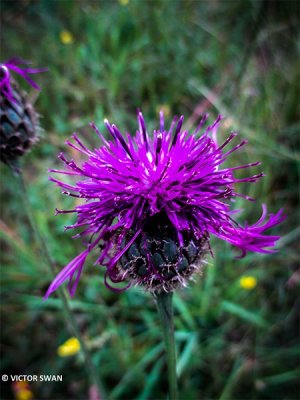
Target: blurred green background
<point x="106" y="59"/>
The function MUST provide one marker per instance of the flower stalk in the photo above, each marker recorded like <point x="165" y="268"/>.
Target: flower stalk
<point x="165" y="309"/>
<point x="43" y="248"/>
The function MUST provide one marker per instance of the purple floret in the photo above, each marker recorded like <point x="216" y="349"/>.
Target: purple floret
<point x="129" y="180"/>
<point x="13" y="65"/>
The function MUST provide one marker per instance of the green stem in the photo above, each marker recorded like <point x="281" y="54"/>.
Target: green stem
<point x="61" y="292"/>
<point x="165" y="310"/>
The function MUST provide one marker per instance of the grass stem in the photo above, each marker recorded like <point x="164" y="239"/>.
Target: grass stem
<point x="43" y="248"/>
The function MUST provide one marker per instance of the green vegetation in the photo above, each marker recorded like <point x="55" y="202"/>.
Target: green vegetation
<point x="238" y="58"/>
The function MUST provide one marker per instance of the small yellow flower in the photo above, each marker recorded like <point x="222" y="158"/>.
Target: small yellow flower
<point x="24" y="394"/>
<point x="22" y="390"/>
<point x="229" y="123"/>
<point x="165" y="108"/>
<point x="123" y="2"/>
<point x="66" y="37"/>
<point x="248" y="282"/>
<point x="69" y="348"/>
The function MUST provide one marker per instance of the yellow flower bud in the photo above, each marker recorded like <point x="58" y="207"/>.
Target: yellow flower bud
<point x="24" y="394"/>
<point x="22" y="390"/>
<point x="248" y="282"/>
<point x="165" y="108"/>
<point x="66" y="37"/>
<point x="69" y="348"/>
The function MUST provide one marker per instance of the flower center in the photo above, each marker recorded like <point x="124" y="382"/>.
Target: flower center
<point x="156" y="260"/>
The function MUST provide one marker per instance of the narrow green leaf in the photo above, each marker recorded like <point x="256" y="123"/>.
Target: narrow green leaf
<point x="283" y="378"/>
<point x="184" y="312"/>
<point x="187" y="354"/>
<point x="149" y="357"/>
<point x="152" y="380"/>
<point x="247" y="315"/>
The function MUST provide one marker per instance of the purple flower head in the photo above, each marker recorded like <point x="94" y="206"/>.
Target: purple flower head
<point x="13" y="65"/>
<point x="152" y="202"/>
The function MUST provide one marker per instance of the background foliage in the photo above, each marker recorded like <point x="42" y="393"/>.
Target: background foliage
<point x="238" y="58"/>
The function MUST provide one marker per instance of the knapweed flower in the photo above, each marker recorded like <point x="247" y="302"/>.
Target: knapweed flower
<point x="248" y="282"/>
<point x="69" y="348"/>
<point x="153" y="200"/>
<point x="19" y="121"/>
